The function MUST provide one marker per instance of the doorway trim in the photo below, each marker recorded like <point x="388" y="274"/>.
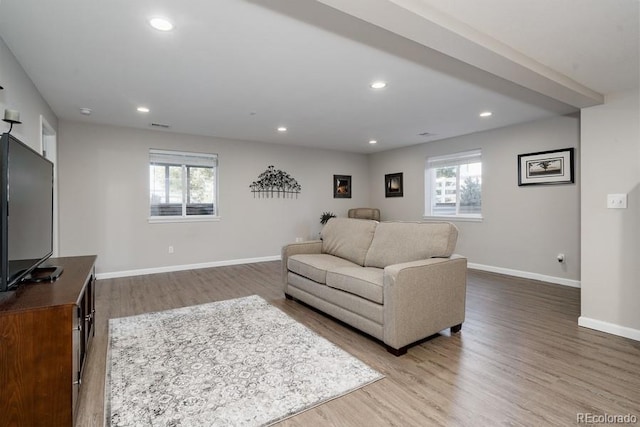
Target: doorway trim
<point x="49" y="149"/>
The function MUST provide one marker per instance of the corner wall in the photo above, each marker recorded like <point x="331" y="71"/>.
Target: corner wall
<point x="523" y="228"/>
<point x="611" y="237"/>
<point x="104" y="194"/>
<point x="21" y="94"/>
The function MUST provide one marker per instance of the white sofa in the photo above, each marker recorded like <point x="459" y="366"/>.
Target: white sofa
<point x="396" y="281"/>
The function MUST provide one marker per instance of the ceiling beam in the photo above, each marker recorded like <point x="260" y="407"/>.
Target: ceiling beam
<point x="420" y="23"/>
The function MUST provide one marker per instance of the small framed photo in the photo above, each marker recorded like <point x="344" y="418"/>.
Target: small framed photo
<point x="393" y="185"/>
<point x="546" y="167"/>
<point x="341" y="186"/>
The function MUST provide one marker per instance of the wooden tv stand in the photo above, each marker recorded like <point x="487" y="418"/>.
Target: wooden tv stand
<point x="45" y="333"/>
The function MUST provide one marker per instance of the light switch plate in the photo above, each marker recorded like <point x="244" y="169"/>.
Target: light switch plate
<point x="616" y="201"/>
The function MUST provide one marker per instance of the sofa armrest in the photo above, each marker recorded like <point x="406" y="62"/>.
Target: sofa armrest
<point x="308" y="247"/>
<point x="422" y="298"/>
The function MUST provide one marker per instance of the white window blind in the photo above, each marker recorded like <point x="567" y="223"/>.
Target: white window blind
<point x="473" y="156"/>
<point x="164" y="157"/>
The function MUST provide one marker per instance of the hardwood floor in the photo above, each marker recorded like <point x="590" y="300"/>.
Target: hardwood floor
<point x="521" y="358"/>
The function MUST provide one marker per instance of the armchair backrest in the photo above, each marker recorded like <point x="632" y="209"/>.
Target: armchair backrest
<point x="364" y="213"/>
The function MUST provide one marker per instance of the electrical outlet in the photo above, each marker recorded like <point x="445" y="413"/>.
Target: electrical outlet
<point x="170" y="249"/>
<point x="616" y="201"/>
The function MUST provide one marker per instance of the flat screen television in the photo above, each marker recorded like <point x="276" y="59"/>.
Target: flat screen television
<point x="26" y="211"/>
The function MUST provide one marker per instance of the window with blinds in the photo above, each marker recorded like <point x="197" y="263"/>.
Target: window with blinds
<point x="453" y="185"/>
<point x="182" y="185"/>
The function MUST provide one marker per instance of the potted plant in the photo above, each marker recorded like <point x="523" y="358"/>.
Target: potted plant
<point x="326" y="216"/>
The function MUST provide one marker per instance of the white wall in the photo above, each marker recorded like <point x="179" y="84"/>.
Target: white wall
<point x="103" y="195"/>
<point x="611" y="237"/>
<point x="524" y="228"/>
<point x="21" y="94"/>
<point x="104" y="198"/>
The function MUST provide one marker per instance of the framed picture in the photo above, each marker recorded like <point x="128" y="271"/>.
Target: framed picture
<point x="393" y="185"/>
<point x="341" y="186"/>
<point x="546" y="167"/>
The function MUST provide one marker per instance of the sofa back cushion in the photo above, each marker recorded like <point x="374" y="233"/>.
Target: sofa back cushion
<point x="348" y="238"/>
<point x="398" y="242"/>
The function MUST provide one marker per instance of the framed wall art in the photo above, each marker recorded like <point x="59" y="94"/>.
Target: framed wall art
<point x="341" y="186"/>
<point x="546" y="167"/>
<point x="393" y="185"/>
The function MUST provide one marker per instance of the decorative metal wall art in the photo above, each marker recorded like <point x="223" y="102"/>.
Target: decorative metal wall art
<point x="273" y="183"/>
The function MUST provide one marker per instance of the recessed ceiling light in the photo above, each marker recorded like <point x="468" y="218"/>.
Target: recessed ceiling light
<point x="373" y="141"/>
<point x="486" y="114"/>
<point x="282" y="129"/>
<point x="142" y="109"/>
<point x="161" y="24"/>
<point x="378" y="85"/>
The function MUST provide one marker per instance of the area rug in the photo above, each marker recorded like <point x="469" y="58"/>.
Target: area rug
<point x="240" y="362"/>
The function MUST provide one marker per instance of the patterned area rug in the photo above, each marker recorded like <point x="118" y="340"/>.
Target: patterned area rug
<point x="240" y="362"/>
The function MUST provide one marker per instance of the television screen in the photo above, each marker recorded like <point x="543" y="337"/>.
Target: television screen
<point x="28" y="228"/>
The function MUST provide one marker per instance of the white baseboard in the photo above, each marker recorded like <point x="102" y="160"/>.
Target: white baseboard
<point x="610" y="328"/>
<point x="525" y="275"/>
<point x="170" y="268"/>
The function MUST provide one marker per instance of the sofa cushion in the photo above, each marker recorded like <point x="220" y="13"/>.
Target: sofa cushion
<point x="348" y="238"/>
<point x="366" y="282"/>
<point x="398" y="242"/>
<point x="302" y="287"/>
<point x="315" y="266"/>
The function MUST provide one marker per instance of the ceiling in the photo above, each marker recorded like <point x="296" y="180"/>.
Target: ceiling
<point x="241" y="68"/>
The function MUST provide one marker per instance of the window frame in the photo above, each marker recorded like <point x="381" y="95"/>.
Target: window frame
<point x="185" y="160"/>
<point x="450" y="160"/>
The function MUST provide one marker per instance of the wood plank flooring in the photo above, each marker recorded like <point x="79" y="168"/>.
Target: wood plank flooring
<point x="520" y="360"/>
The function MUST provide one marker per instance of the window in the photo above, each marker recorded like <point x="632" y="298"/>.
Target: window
<point x="182" y="185"/>
<point x="454" y="185"/>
